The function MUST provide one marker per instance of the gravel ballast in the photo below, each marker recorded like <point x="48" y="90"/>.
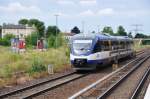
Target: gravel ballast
<point x="69" y="89"/>
<point x="125" y="89"/>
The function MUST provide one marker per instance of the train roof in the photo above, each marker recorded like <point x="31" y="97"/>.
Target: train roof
<point x="101" y="37"/>
<point x="81" y="35"/>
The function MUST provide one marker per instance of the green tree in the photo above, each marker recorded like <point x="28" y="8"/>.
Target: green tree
<point x="121" y="31"/>
<point x="39" y="26"/>
<point x="0" y="31"/>
<point x="75" y="30"/>
<point x="130" y="35"/>
<point x="23" y="21"/>
<point x="108" y="29"/>
<point x="93" y="32"/>
<point x="140" y="35"/>
<point x="51" y="30"/>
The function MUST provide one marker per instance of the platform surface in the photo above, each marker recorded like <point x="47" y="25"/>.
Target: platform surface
<point x="147" y="95"/>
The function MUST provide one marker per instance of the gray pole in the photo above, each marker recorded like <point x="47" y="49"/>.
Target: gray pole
<point x="136" y="30"/>
<point x="98" y="30"/>
<point x="83" y="26"/>
<point x="56" y="15"/>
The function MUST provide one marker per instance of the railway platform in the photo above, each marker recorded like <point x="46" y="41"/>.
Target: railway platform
<point x="147" y="95"/>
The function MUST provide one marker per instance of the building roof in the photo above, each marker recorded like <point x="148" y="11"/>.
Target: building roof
<point x="69" y="34"/>
<point x="12" y="26"/>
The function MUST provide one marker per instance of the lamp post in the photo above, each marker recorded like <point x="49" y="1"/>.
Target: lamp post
<point x="83" y="23"/>
<point x="98" y="30"/>
<point x="56" y="15"/>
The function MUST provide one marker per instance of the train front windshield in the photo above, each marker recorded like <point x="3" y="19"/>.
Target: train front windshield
<point x="82" y="46"/>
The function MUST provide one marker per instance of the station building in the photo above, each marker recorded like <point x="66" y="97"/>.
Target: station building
<point x="17" y="30"/>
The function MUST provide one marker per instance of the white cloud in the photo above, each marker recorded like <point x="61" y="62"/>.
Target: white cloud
<point x="88" y="2"/>
<point x="106" y="11"/>
<point x="19" y="8"/>
<point x="101" y="12"/>
<point x="87" y="13"/>
<point x="65" y="2"/>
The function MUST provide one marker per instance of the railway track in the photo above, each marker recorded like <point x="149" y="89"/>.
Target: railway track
<point x="104" y="86"/>
<point x="140" y="52"/>
<point x="140" y="84"/>
<point x="32" y="90"/>
<point x="38" y="88"/>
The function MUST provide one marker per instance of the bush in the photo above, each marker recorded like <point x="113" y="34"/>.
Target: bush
<point x="146" y="42"/>
<point x="6" y="40"/>
<point x="9" y="37"/>
<point x="37" y="66"/>
<point x="52" y="43"/>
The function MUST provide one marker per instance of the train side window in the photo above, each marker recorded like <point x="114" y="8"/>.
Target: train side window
<point x="97" y="47"/>
<point x="122" y="45"/>
<point x="115" y="45"/>
<point x="129" y="44"/>
<point x="107" y="45"/>
<point x="110" y="45"/>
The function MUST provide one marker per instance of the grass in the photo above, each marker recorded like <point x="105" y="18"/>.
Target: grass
<point x="33" y="63"/>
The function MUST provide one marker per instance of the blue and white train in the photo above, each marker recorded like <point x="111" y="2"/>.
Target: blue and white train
<point x="91" y="50"/>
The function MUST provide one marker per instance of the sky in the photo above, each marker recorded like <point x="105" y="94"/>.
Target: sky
<point x="94" y="14"/>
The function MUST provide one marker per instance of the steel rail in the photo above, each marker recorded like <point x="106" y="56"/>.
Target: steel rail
<point x="110" y="89"/>
<point x="140" y="84"/>
<point x="33" y="85"/>
<point x="51" y="86"/>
